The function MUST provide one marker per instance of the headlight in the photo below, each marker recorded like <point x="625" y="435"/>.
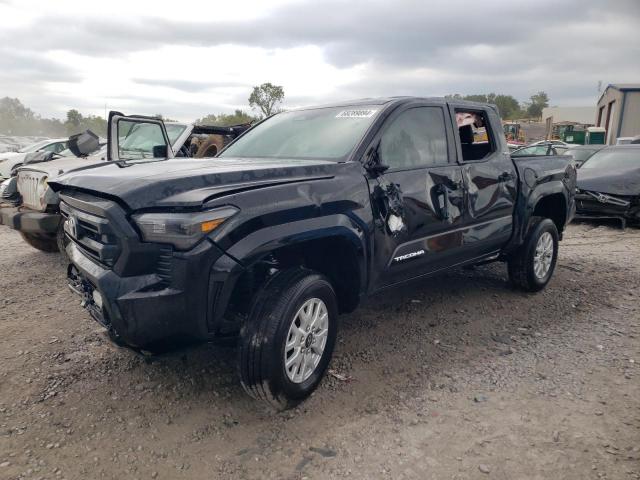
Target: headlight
<point x="3" y="160"/>
<point x="182" y="230"/>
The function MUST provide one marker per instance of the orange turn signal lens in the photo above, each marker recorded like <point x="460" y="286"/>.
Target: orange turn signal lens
<point x="211" y="225"/>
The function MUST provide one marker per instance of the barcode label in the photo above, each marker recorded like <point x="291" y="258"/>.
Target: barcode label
<point x="356" y="113"/>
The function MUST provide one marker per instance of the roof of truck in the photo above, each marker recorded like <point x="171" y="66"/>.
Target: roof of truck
<point x="395" y="99"/>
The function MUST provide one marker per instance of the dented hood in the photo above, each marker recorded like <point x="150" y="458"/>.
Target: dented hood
<point x="182" y="182"/>
<point x="60" y="166"/>
<point x="624" y="182"/>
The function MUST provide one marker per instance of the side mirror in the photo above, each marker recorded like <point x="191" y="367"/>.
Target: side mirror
<point x="84" y="144"/>
<point x="374" y="164"/>
<point x="160" y="151"/>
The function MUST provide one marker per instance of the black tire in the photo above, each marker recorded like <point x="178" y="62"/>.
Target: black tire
<point x="43" y="242"/>
<point x="264" y="335"/>
<point x="521" y="264"/>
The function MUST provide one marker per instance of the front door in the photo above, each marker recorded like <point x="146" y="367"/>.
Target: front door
<point x="137" y="137"/>
<point x="418" y="202"/>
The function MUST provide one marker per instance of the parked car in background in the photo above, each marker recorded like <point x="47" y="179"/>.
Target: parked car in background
<point x="609" y="185"/>
<point x="9" y="160"/>
<point x="581" y="153"/>
<point x="538" y="149"/>
<point x="559" y="145"/>
<point x="32" y="208"/>
<point x="628" y="140"/>
<point x="299" y="219"/>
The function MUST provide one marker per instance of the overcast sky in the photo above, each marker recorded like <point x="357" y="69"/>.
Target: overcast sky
<point x="188" y="58"/>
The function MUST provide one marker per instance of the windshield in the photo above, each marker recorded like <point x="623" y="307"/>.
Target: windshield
<point x="580" y="154"/>
<point x="321" y="133"/>
<point x="34" y="147"/>
<point x="614" y="158"/>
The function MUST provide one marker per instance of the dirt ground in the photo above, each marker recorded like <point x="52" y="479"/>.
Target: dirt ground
<point x="456" y="377"/>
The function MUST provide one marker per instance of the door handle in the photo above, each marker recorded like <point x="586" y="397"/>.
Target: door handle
<point x="442" y="197"/>
<point x="505" y="177"/>
<point x="454" y="184"/>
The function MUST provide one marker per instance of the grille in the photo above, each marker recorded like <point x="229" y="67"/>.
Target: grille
<point x="92" y="233"/>
<point x="164" y="266"/>
<point x="28" y="182"/>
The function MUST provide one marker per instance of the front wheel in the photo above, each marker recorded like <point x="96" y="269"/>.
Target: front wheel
<point x="532" y="265"/>
<point x="288" y="339"/>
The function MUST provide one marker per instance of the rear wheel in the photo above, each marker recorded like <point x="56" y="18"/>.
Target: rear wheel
<point x="532" y="265"/>
<point x="288" y="339"/>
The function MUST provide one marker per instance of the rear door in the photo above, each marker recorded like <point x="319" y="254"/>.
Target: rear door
<point x="137" y="137"/>
<point x="490" y="179"/>
<point x="418" y="202"/>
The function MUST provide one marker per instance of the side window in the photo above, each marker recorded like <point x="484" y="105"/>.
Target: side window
<point x="49" y="148"/>
<point x="60" y="147"/>
<point x="139" y="140"/>
<point x="475" y="137"/>
<point x="416" y="138"/>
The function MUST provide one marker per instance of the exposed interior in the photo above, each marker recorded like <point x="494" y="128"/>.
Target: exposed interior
<point x="475" y="139"/>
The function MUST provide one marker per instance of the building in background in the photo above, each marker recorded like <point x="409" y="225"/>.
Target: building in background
<point x="559" y="119"/>
<point x="618" y="111"/>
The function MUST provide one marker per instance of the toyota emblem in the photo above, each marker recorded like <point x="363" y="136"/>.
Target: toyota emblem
<point x="602" y="198"/>
<point x="72" y="226"/>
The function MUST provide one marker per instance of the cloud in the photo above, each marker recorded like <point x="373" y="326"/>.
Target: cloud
<point x="187" y="85"/>
<point x="199" y="57"/>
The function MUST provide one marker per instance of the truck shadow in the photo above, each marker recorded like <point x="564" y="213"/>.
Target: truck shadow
<point x="400" y="337"/>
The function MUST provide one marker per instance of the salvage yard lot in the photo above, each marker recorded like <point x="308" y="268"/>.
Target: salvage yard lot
<point x="459" y="376"/>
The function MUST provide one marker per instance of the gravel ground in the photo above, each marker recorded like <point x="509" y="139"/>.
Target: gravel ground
<point x="456" y="377"/>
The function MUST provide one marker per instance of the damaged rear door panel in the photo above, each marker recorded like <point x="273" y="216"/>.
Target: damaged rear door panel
<point x="418" y="201"/>
<point x="490" y="179"/>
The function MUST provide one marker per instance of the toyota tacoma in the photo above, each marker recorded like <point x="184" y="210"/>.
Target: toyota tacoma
<point x="299" y="219"/>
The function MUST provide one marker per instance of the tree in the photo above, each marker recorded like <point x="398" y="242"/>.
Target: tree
<point x="508" y="106"/>
<point x="77" y="123"/>
<point x="538" y="101"/>
<point x="15" y="118"/>
<point x="266" y="97"/>
<point x="477" y="98"/>
<point x="74" y="120"/>
<point x="225" y="119"/>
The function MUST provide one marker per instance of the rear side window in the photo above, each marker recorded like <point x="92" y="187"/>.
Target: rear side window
<point x="416" y="138"/>
<point x="474" y="134"/>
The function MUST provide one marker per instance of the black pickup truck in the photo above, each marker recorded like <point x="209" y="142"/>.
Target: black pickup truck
<point x="299" y="219"/>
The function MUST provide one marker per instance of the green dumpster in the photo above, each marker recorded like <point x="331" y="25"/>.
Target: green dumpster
<point x="596" y="136"/>
<point x="574" y="136"/>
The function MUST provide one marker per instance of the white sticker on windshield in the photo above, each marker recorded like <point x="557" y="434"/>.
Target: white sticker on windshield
<point x="363" y="113"/>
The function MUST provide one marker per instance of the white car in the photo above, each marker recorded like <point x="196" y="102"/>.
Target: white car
<point x="37" y="216"/>
<point x="9" y="160"/>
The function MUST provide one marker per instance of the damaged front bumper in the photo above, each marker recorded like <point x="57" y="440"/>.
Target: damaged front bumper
<point x="29" y="221"/>
<point x="597" y="205"/>
<point x="143" y="310"/>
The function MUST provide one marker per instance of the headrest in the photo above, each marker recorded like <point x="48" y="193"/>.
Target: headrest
<point x="466" y="134"/>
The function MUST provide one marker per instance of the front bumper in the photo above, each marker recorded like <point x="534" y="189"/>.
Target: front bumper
<point x="605" y="206"/>
<point x="144" y="310"/>
<point x="29" y="221"/>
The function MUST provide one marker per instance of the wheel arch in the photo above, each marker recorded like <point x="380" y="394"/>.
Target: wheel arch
<point x="333" y="246"/>
<point x="554" y="207"/>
